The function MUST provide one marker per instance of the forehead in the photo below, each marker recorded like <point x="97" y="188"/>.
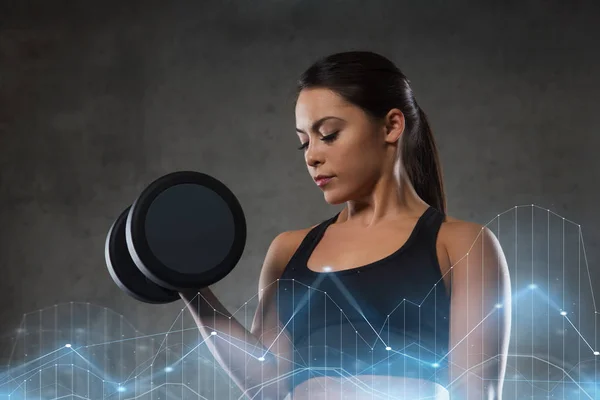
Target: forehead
<point x="315" y="103"/>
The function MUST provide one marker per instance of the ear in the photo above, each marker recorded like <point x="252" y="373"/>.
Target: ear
<point x="394" y="125"/>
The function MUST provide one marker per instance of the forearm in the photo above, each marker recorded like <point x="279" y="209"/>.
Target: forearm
<point x="254" y="368"/>
<point x="477" y="384"/>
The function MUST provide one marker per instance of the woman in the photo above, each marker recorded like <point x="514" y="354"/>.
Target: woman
<point x="390" y="298"/>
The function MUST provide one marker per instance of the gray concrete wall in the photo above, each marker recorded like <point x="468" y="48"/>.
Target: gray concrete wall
<point x="99" y="99"/>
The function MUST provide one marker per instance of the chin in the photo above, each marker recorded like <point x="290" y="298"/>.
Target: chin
<point x="334" y="198"/>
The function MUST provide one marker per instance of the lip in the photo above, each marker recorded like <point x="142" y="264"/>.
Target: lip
<point x="323" y="180"/>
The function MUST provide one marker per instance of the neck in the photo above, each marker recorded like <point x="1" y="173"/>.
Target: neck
<point x="392" y="198"/>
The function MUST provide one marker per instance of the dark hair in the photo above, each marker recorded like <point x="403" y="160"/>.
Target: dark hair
<point x="372" y="82"/>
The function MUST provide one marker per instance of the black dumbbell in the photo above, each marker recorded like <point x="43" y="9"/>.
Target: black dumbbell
<point x="186" y="230"/>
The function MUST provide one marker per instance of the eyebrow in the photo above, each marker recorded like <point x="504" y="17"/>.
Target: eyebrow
<point x="317" y="124"/>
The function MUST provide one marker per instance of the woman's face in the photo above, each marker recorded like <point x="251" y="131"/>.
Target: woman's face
<point x="340" y="140"/>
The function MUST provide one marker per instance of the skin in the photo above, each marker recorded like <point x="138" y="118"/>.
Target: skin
<point x="380" y="204"/>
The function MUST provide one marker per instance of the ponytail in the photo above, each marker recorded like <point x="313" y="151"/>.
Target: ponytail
<point x="422" y="165"/>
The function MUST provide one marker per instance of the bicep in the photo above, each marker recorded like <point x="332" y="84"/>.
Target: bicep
<point x="266" y="325"/>
<point x="480" y="311"/>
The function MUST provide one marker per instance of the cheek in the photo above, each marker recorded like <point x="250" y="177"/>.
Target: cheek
<point x="358" y="162"/>
<point x="363" y="151"/>
<point x="355" y="155"/>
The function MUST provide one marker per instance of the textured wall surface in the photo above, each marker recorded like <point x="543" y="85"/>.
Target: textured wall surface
<point x="97" y="100"/>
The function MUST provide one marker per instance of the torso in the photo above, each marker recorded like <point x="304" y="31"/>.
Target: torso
<point x="342" y="248"/>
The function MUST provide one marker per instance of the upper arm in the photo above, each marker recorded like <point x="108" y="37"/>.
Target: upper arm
<point x="266" y="325"/>
<point x="272" y="374"/>
<point x="480" y="312"/>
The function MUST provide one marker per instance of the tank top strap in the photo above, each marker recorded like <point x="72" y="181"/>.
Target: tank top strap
<point x="432" y="221"/>
<point x="302" y="254"/>
<point x="428" y="235"/>
<point x="429" y="229"/>
<point x="315" y="235"/>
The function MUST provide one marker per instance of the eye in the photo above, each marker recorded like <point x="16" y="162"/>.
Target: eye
<point x="329" y="138"/>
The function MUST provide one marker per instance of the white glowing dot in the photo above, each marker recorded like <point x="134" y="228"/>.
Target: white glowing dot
<point x="213" y="333"/>
<point x="435" y="365"/>
<point x="261" y="359"/>
<point x="326" y="269"/>
<point x="121" y="389"/>
<point x="532" y="286"/>
<point x="68" y="345"/>
<point x="168" y="369"/>
<point x="597" y="353"/>
<point x="563" y="313"/>
<point x="388" y="348"/>
<point x="498" y="305"/>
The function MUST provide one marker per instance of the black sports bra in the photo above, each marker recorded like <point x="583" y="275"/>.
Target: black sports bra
<point x="390" y="317"/>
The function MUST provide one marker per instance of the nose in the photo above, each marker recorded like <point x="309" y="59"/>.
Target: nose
<point x="313" y="155"/>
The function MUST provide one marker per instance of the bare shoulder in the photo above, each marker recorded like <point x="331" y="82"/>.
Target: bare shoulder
<point x="475" y="255"/>
<point x="280" y="251"/>
<point x="459" y="236"/>
<point x="287" y="242"/>
<point x="453" y="229"/>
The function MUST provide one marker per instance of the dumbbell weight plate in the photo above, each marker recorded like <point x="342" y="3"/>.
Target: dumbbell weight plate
<point x="186" y="230"/>
<point x="125" y="273"/>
